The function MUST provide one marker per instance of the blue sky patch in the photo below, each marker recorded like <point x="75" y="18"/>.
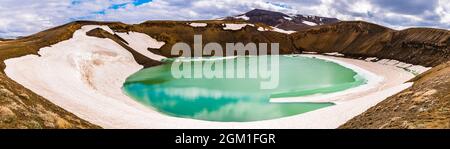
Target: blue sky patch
<point x="122" y="5"/>
<point x="117" y="6"/>
<point x="140" y="2"/>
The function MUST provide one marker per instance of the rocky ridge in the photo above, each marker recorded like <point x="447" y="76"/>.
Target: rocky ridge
<point x="294" y="22"/>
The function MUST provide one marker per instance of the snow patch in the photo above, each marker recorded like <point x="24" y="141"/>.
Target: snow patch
<point x="334" y="54"/>
<point x="274" y="29"/>
<point x="244" y="17"/>
<point x="282" y="31"/>
<point x="83" y="75"/>
<point x="141" y="42"/>
<point x="198" y="24"/>
<point x="235" y="26"/>
<point x="309" y="23"/>
<point x="371" y="59"/>
<point x="307" y="52"/>
<point x="288" y="18"/>
<point x="334" y="116"/>
<point x="415" y="69"/>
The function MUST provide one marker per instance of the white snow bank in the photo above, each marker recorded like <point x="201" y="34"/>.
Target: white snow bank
<point x="288" y="18"/>
<point x="334" y="54"/>
<point x="141" y="42"/>
<point x="262" y="29"/>
<point x="235" y="26"/>
<point x="415" y="69"/>
<point x="244" y="17"/>
<point x="309" y="23"/>
<point x="334" y="116"/>
<point x="83" y="75"/>
<point x="371" y="59"/>
<point x="274" y="29"/>
<point x="282" y="31"/>
<point x="308" y="52"/>
<point x="198" y="24"/>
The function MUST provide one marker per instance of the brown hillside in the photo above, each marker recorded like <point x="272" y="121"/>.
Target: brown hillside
<point x="425" y="105"/>
<point x="173" y="32"/>
<point x="21" y="108"/>
<point x="428" y="47"/>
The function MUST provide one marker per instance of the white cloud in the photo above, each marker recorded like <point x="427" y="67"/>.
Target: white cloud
<point x="443" y="11"/>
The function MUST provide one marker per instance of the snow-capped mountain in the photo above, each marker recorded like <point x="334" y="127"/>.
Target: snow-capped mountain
<point x="283" y="21"/>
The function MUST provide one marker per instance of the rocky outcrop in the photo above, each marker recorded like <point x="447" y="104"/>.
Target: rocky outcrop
<point x="294" y="22"/>
<point x="424" y="46"/>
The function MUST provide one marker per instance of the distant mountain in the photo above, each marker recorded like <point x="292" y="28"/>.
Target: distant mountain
<point x="283" y="21"/>
<point x="6" y="39"/>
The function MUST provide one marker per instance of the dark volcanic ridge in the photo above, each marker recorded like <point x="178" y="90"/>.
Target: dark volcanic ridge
<point x="2" y="39"/>
<point x="294" y="22"/>
<point x="357" y="39"/>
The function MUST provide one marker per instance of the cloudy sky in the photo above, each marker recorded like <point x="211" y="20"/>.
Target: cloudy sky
<point x="24" y="17"/>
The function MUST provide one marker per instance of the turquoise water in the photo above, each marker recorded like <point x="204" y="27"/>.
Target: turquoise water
<point x="239" y="99"/>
